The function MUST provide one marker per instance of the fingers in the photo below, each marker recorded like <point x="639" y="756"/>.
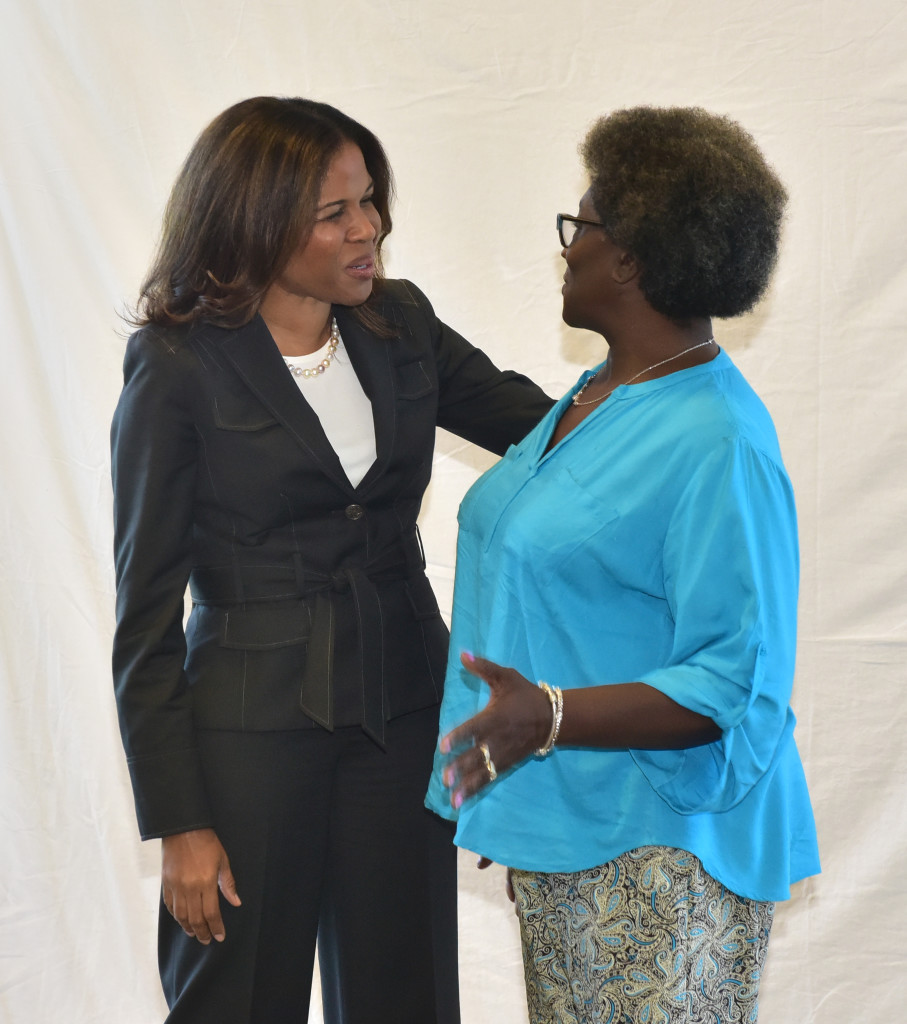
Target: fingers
<point x="195" y="867"/>
<point x="227" y="884"/>
<point x="209" y="923"/>
<point x="465" y="734"/>
<point x="468" y="773"/>
<point x="485" y="862"/>
<point x="186" y="909"/>
<point x="501" y="735"/>
<point x="481" y="667"/>
<point x="489" y="764"/>
<point x="176" y="912"/>
<point x="194" y="913"/>
<point x="212" y="919"/>
<point x="456" y="737"/>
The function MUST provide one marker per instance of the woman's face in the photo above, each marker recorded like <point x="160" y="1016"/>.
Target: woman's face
<point x="337" y="262"/>
<point x="588" y="282"/>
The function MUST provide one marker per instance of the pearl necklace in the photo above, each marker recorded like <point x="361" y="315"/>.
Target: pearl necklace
<point x="642" y="373"/>
<point x="314" y="371"/>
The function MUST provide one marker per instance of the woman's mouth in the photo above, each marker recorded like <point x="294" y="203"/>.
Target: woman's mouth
<point x="364" y="269"/>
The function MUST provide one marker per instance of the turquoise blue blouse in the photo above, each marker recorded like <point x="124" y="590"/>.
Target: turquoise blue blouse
<point x="657" y="542"/>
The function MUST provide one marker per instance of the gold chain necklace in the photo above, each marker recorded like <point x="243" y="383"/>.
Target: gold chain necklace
<point x="642" y="373"/>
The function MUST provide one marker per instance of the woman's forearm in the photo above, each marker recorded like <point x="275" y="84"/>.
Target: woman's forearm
<point x="518" y="719"/>
<point x="631" y="715"/>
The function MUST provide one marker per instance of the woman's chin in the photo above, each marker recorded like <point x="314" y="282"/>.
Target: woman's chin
<point x="357" y="295"/>
<point x="567" y="315"/>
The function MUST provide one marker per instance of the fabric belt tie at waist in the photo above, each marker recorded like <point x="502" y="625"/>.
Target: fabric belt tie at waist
<point x="241" y="584"/>
<point x="316" y="695"/>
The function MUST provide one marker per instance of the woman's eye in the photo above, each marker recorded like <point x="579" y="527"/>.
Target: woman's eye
<point x="368" y="201"/>
<point x="330" y="217"/>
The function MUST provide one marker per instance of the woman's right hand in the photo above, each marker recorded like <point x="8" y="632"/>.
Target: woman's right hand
<point x="194" y="865"/>
<point x="514" y="724"/>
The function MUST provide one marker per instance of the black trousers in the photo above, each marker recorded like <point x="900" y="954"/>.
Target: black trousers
<point x="327" y="836"/>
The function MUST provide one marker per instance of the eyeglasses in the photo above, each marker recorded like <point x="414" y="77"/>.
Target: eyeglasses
<point x="567" y="227"/>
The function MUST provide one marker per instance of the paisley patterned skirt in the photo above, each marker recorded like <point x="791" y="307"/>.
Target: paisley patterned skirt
<point x="648" y="938"/>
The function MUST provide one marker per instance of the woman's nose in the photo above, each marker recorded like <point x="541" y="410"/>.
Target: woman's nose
<point x="366" y="225"/>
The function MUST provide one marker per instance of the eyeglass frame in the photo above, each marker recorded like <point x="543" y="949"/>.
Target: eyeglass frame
<point x="561" y="217"/>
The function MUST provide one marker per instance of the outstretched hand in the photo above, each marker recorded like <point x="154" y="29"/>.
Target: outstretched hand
<point x="515" y="722"/>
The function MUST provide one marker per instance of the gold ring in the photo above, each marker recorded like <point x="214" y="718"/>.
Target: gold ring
<point x="489" y="764"/>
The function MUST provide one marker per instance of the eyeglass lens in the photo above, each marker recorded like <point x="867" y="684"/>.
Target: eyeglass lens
<point x="566" y="230"/>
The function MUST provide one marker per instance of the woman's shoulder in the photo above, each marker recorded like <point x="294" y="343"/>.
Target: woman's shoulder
<point x="401" y="292"/>
<point x="153" y="339"/>
<point x="723" y="403"/>
<point x="163" y="351"/>
<point x="403" y="305"/>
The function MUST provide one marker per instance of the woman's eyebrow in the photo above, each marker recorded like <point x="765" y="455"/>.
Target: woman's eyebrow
<point x="333" y="202"/>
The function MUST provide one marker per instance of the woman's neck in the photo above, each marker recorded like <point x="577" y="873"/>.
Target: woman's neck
<point x="654" y="349"/>
<point x="298" y="326"/>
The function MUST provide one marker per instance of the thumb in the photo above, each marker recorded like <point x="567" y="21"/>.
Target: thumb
<point x="481" y="667"/>
<point x="227" y="884"/>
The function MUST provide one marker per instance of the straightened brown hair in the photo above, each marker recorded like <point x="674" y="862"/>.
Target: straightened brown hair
<point x="243" y="201"/>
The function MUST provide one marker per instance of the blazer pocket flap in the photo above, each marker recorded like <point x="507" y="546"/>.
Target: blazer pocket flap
<point x="413" y="380"/>
<point x="267" y="625"/>
<point x="232" y="413"/>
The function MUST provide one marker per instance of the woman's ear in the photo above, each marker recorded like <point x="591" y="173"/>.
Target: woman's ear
<point x="625" y="267"/>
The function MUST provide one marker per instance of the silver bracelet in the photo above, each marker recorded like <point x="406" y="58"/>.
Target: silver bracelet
<point x="554" y="694"/>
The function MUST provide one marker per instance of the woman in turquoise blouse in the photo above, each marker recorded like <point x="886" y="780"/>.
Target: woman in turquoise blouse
<point x="637" y="552"/>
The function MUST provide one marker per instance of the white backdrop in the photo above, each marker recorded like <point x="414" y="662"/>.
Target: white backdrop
<point x="481" y="105"/>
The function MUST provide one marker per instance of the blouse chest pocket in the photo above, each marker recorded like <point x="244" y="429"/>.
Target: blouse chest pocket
<point x="555" y="522"/>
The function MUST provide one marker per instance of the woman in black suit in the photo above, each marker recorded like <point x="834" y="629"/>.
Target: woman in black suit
<point x="270" y="450"/>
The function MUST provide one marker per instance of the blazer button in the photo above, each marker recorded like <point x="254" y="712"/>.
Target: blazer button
<point x="354" y="511"/>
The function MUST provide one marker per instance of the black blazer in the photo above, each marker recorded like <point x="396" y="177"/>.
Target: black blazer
<point x="310" y="604"/>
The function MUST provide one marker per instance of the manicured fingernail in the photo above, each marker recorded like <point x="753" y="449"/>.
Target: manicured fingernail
<point x="458" y="800"/>
<point x="469" y="656"/>
<point x="445" y="745"/>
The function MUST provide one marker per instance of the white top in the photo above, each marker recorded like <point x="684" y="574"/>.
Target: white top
<point x="344" y="409"/>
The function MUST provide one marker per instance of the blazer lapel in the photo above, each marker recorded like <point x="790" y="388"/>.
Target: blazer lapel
<point x="255" y="357"/>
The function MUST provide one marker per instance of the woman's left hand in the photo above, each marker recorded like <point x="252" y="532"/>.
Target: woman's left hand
<point x="515" y="722"/>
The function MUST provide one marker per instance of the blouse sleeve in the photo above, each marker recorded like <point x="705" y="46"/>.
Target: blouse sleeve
<point x="731" y="569"/>
<point x="154" y="458"/>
